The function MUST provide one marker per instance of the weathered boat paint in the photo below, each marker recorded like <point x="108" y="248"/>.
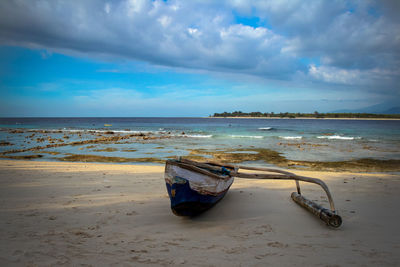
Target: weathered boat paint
<point x="188" y="202"/>
<point x="191" y="192"/>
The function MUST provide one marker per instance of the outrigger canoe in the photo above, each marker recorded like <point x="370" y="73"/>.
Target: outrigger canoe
<point x="194" y="187"/>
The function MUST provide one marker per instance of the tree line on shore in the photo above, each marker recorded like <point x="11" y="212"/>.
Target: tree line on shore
<point x="316" y="114"/>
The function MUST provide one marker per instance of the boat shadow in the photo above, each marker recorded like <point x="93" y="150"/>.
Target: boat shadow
<point x="248" y="203"/>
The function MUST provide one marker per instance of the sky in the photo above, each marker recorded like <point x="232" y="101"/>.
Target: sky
<point x="128" y="58"/>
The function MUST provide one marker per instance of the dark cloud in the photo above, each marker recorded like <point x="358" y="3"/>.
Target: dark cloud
<point x="353" y="40"/>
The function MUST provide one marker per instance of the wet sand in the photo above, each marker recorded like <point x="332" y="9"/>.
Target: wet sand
<point x="61" y="213"/>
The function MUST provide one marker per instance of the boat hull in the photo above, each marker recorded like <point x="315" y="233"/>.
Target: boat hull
<point x="188" y="202"/>
<point x="192" y="193"/>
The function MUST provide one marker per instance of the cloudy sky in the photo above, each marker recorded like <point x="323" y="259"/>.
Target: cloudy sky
<point x="194" y="58"/>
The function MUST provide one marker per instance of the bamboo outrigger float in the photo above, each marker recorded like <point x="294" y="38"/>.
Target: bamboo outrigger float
<point x="194" y="187"/>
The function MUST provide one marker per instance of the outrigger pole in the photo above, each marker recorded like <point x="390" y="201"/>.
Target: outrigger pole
<point x="330" y="217"/>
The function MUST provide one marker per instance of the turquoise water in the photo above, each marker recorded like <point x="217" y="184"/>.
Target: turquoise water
<point x="297" y="139"/>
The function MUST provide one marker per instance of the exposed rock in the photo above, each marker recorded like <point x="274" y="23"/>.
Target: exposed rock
<point x="5" y="143"/>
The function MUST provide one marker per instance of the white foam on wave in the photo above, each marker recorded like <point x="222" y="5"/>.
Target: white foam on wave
<point x="291" y="137"/>
<point x="105" y="131"/>
<point x="55" y="130"/>
<point x="247" y="136"/>
<point x="199" y="135"/>
<point x="265" y="128"/>
<point x="129" y="131"/>
<point x="71" y="131"/>
<point x="338" y="137"/>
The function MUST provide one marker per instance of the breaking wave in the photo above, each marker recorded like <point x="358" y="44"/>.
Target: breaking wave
<point x="338" y="137"/>
<point x="291" y="137"/>
<point x="247" y="136"/>
<point x="199" y="135"/>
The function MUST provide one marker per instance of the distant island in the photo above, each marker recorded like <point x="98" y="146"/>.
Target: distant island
<point x="316" y="114"/>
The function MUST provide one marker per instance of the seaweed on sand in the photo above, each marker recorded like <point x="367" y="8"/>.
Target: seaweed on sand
<point x="359" y="165"/>
<point x="240" y="155"/>
<point x="96" y="158"/>
<point x="273" y="157"/>
<point x="5" y="143"/>
<point x="22" y="157"/>
<point x="108" y="149"/>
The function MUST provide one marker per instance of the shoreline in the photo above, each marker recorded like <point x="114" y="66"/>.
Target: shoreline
<point x="341" y="150"/>
<point x="232" y="156"/>
<point x="159" y="167"/>
<point x="305" y="118"/>
<point x="62" y="213"/>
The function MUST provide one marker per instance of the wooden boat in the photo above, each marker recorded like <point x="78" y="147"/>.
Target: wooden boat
<point x="194" y="187"/>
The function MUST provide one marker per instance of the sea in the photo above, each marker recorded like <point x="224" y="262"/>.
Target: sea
<point x="296" y="139"/>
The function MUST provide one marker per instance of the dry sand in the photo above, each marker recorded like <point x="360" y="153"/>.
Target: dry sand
<point x="75" y="214"/>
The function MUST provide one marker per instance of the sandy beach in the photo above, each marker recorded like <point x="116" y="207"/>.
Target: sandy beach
<point x="57" y="213"/>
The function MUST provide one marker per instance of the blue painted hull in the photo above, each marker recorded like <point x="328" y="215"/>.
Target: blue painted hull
<point x="188" y="202"/>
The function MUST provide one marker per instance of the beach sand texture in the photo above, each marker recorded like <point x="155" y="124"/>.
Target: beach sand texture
<point x="56" y="213"/>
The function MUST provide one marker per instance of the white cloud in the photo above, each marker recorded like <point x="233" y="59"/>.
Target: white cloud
<point x="348" y="40"/>
<point x="335" y="75"/>
<point x="137" y="6"/>
<point x="165" y="21"/>
<point x="193" y="31"/>
<point x="107" y="7"/>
